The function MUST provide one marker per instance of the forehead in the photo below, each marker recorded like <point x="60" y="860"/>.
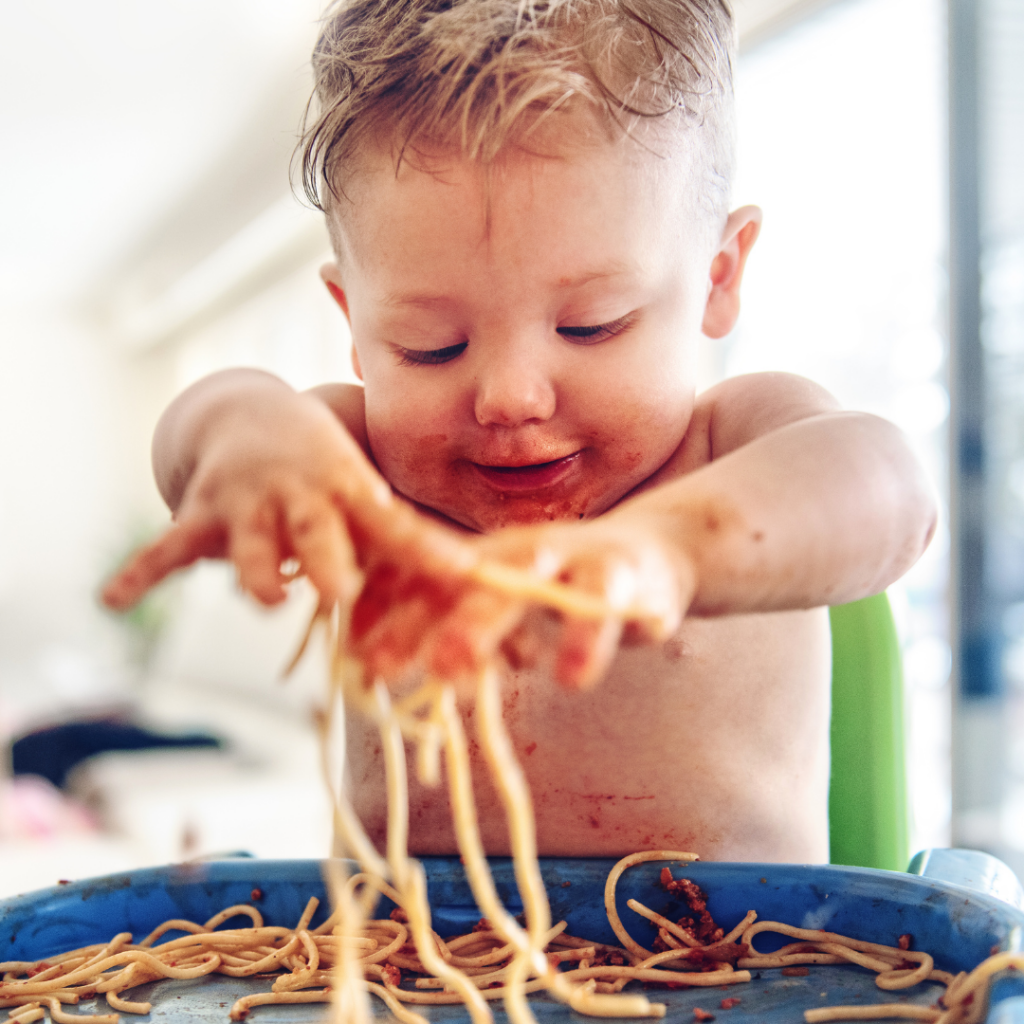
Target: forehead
<point x="567" y="189"/>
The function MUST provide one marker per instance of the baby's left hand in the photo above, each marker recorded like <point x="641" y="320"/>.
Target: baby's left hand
<point x="452" y="626"/>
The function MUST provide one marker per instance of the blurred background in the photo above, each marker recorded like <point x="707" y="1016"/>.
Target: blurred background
<point x="148" y="235"/>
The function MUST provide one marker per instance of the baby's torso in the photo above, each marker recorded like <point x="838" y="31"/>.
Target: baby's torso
<point x="715" y="742"/>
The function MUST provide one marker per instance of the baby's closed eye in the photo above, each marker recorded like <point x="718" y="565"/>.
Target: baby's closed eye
<point x="588" y="335"/>
<point x="431" y="356"/>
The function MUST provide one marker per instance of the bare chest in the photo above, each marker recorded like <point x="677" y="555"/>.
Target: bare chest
<point x="716" y="741"/>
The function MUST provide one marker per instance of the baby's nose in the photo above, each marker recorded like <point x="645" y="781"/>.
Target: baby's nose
<point x="514" y="391"/>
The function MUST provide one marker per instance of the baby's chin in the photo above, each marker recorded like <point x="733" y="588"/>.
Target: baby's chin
<point x="467" y="502"/>
<point x="518" y="510"/>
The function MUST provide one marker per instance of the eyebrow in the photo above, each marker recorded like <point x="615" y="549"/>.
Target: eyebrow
<point x="428" y="300"/>
<point x="422" y="300"/>
<point x="612" y="270"/>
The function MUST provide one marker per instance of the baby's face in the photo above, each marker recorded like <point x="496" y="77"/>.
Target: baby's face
<point x="525" y="337"/>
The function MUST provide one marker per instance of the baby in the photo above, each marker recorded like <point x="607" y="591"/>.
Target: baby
<point x="528" y="204"/>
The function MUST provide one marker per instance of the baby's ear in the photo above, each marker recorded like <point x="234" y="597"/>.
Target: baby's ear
<point x="331" y="276"/>
<point x="738" y="237"/>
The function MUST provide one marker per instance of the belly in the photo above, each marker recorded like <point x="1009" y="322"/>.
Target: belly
<point x="715" y="742"/>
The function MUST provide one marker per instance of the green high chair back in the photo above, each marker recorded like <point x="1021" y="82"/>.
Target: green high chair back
<point x="867" y="801"/>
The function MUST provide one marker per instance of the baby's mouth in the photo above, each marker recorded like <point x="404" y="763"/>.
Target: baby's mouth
<point x="531" y="477"/>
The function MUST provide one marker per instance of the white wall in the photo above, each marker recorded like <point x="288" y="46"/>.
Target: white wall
<point x="64" y="452"/>
<point x="136" y="142"/>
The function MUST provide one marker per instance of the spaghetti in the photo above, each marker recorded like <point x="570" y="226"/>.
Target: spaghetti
<point x="304" y="959"/>
<point x="351" y="956"/>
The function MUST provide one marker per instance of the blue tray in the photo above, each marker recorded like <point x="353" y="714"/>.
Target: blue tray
<point x="958" y="923"/>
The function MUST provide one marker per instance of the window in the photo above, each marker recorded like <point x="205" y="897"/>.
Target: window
<point x="842" y="140"/>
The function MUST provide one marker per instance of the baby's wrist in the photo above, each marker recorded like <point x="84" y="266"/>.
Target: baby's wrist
<point x="664" y="557"/>
<point x="203" y="414"/>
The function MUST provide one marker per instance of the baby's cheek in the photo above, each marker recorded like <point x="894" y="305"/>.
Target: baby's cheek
<point x="421" y="451"/>
<point x="405" y="457"/>
<point x="645" y="420"/>
<point x="632" y="460"/>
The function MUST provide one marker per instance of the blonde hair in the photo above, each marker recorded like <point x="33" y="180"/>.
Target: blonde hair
<point x="480" y="75"/>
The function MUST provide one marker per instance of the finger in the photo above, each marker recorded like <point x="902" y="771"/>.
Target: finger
<point x="358" y="484"/>
<point x="404" y="615"/>
<point x="373" y="601"/>
<point x="471" y="634"/>
<point x="523" y="647"/>
<point x="662" y="591"/>
<point x="319" y="540"/>
<point x="658" y="624"/>
<point x="637" y="633"/>
<point x="255" y="548"/>
<point x="411" y="539"/>
<point x="183" y="544"/>
<point x="585" y="651"/>
<point x="586" y="646"/>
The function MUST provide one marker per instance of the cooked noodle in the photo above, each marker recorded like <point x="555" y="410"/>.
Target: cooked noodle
<point x="350" y="957"/>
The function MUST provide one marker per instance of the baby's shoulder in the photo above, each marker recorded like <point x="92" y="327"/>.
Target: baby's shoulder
<point x="741" y="409"/>
<point x="348" y="403"/>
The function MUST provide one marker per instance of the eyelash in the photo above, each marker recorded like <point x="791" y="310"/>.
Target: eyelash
<point x="430" y="357"/>
<point x="577" y="335"/>
<point x="599" y="332"/>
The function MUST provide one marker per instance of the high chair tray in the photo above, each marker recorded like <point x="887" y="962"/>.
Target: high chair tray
<point x="960" y="926"/>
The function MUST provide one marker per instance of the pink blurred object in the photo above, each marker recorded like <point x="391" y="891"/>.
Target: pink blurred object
<point x="31" y="808"/>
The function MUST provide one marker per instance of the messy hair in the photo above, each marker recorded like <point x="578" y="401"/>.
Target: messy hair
<point x="480" y="75"/>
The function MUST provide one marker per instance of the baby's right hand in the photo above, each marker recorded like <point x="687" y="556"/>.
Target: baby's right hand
<point x="269" y="475"/>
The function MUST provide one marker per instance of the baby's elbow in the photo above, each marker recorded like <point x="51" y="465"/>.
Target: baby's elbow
<point x="927" y="519"/>
<point x="920" y="511"/>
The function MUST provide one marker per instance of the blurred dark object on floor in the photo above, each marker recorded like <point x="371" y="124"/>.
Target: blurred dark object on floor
<point x="53" y="753"/>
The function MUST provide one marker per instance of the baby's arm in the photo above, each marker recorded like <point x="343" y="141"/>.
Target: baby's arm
<point x="775" y="500"/>
<point x="258" y="473"/>
<point x="799" y="503"/>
